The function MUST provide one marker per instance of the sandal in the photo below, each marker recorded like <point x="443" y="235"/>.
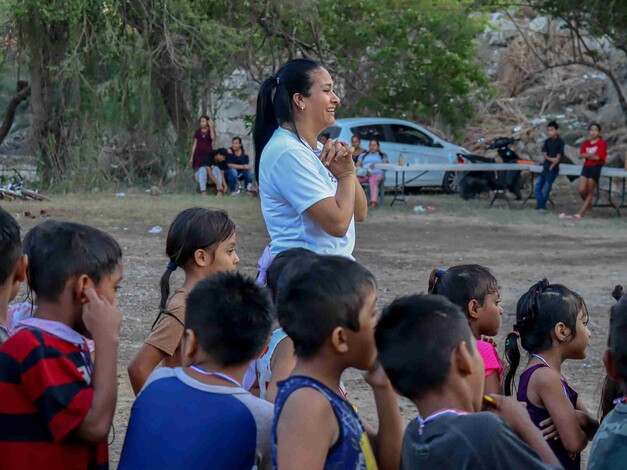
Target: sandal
<point x="563" y="215"/>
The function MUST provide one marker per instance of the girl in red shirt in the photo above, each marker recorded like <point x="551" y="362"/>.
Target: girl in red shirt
<point x="594" y="152"/>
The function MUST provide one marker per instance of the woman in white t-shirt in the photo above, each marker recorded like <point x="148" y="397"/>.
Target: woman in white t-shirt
<point x="310" y="196"/>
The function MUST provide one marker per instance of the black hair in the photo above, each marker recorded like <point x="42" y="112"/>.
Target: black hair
<point x="415" y="338"/>
<point x="10" y="245"/>
<point x="618" y="349"/>
<point x="377" y="141"/>
<point x="58" y="251"/>
<point x="461" y="284"/>
<point x="280" y="264"/>
<point x="274" y="102"/>
<point x="542" y="307"/>
<point x="328" y="293"/>
<point x="595" y="124"/>
<point x="221" y="151"/>
<point x="231" y="316"/>
<point x="553" y="124"/>
<point x="205" y="117"/>
<point x="239" y="139"/>
<point x="193" y="229"/>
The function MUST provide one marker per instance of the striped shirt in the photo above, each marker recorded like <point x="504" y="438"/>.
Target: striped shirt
<point x="46" y="393"/>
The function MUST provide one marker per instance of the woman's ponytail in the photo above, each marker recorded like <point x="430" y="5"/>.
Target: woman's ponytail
<point x="266" y="120"/>
<point x="512" y="355"/>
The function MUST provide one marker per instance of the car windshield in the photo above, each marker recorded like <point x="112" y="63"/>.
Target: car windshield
<point x="369" y="132"/>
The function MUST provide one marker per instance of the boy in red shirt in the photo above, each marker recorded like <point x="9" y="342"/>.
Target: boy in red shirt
<point x="57" y="406"/>
<point x="594" y="152"/>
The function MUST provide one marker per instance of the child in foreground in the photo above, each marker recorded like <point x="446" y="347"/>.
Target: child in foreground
<point x="57" y="406"/>
<point x="429" y="334"/>
<point x="328" y="310"/>
<point x="202" y="243"/>
<point x="609" y="447"/>
<point x="551" y="324"/>
<point x="199" y="416"/>
<point x="12" y="268"/>
<point x="475" y="290"/>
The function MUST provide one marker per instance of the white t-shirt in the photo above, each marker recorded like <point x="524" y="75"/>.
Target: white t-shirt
<point x="291" y="180"/>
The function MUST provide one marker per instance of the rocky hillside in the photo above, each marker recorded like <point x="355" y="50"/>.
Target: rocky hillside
<point x="527" y="97"/>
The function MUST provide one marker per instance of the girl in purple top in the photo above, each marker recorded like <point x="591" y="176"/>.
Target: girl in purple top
<point x="551" y="324"/>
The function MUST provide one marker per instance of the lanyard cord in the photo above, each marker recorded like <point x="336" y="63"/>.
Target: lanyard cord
<point x="437" y="415"/>
<point x="220" y="375"/>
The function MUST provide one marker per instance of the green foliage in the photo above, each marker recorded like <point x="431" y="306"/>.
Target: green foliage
<point x="130" y="67"/>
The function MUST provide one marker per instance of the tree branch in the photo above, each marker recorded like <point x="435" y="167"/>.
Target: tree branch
<point x="9" y="116"/>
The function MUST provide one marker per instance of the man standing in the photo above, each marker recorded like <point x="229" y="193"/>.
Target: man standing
<point x="553" y="150"/>
<point x="202" y="147"/>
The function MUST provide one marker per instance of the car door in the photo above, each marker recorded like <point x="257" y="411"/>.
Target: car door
<point x="418" y="148"/>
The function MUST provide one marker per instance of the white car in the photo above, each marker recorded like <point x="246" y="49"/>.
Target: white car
<point x="415" y="143"/>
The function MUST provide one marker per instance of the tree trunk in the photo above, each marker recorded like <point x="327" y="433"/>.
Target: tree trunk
<point x="47" y="46"/>
<point x="173" y="91"/>
<point x="22" y="95"/>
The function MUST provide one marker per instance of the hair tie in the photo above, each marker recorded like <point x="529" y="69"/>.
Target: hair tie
<point x="440" y="273"/>
<point x="278" y="80"/>
<point x="516" y="333"/>
<point x="171" y="266"/>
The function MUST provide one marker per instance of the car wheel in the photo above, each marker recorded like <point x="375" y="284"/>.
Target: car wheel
<point x="449" y="183"/>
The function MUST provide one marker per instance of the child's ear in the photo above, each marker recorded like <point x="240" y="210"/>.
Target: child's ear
<point x="20" y="269"/>
<point x="473" y="307"/>
<point x="462" y="359"/>
<point x="610" y="366"/>
<point x="204" y="258"/>
<point x="339" y="340"/>
<point x="83" y="282"/>
<point x="189" y="347"/>
<point x="562" y="332"/>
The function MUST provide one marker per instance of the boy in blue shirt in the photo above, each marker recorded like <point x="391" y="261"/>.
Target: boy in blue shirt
<point x="199" y="416"/>
<point x="328" y="308"/>
<point x="553" y="150"/>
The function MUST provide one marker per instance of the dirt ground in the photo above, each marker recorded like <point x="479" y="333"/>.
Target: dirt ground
<point x="398" y="245"/>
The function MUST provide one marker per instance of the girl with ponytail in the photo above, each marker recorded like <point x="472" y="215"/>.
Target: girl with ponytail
<point x="310" y="196"/>
<point x="201" y="242"/>
<point x="475" y="290"/>
<point x="551" y="325"/>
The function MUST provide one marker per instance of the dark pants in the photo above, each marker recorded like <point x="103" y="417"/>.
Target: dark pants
<point x="232" y="175"/>
<point x="543" y="187"/>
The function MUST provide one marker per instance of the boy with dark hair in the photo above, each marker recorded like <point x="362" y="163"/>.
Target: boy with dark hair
<point x="609" y="447"/>
<point x="430" y="355"/>
<point x="199" y="416"/>
<point x="553" y="151"/>
<point x="328" y="309"/>
<point x="12" y="267"/>
<point x="57" y="406"/>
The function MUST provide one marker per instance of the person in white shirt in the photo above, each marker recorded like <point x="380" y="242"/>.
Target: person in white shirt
<point x="367" y="171"/>
<point x="310" y="196"/>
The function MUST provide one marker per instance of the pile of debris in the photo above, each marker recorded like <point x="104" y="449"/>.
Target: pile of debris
<point x="530" y="96"/>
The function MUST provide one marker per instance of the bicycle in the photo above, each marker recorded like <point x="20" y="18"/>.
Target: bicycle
<point x="16" y="190"/>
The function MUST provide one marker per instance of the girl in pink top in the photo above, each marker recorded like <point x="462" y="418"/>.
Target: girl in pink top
<point x="476" y="291"/>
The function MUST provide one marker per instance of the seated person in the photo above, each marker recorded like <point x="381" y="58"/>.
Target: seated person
<point x="239" y="166"/>
<point x="430" y="334"/>
<point x="367" y="173"/>
<point x="356" y="143"/>
<point x="213" y="167"/>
